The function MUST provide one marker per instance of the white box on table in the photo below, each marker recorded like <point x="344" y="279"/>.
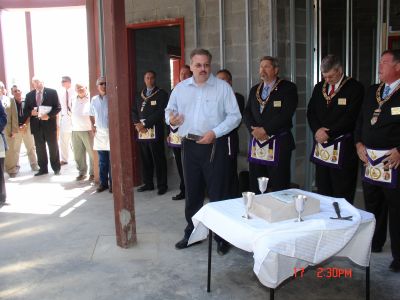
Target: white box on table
<point x="279" y="206"/>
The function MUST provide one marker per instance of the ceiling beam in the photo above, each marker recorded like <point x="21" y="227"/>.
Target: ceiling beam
<point x="18" y="4"/>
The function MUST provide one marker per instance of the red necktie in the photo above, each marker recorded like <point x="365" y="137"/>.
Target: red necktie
<point x="332" y="90"/>
<point x="38" y="98"/>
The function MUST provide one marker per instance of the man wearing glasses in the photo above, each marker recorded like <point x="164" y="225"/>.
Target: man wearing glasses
<point x="99" y="119"/>
<point x="205" y="109"/>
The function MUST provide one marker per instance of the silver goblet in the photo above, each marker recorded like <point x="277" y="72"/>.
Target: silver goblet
<point x="299" y="205"/>
<point x="248" y="201"/>
<point x="262" y="184"/>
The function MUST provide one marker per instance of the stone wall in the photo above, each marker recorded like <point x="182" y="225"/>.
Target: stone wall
<point x="208" y="36"/>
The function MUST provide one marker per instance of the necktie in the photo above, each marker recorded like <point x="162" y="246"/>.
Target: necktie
<point x="264" y="93"/>
<point x="20" y="112"/>
<point x="386" y="91"/>
<point x="38" y="98"/>
<point x="332" y="90"/>
<point x="66" y="101"/>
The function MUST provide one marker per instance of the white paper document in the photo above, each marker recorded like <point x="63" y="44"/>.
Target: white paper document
<point x="44" y="110"/>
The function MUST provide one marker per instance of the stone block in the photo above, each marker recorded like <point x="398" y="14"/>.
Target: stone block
<point x="143" y="5"/>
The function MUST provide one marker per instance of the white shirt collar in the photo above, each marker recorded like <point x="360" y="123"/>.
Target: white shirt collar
<point x="210" y="81"/>
<point x="338" y="83"/>
<point x="393" y="85"/>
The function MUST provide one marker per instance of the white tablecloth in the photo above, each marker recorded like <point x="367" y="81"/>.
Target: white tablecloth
<point x="280" y="247"/>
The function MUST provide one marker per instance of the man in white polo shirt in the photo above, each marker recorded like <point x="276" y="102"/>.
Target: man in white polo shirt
<point x="82" y="137"/>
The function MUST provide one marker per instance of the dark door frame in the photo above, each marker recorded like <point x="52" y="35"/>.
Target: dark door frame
<point x="131" y="28"/>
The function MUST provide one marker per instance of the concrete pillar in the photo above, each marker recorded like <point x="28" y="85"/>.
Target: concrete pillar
<point x="121" y="127"/>
<point x="2" y="65"/>
<point x="94" y="68"/>
<point x="29" y="44"/>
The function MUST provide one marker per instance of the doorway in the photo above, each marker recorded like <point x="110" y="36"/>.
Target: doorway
<point x="157" y="46"/>
<point x="349" y="29"/>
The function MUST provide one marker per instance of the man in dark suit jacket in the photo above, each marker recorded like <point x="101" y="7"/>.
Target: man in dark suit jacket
<point x="148" y="118"/>
<point x="332" y="114"/>
<point x="233" y="139"/>
<point x="268" y="117"/>
<point x="44" y="124"/>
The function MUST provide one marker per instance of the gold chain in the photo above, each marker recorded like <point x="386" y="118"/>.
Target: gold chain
<point x="259" y="99"/>
<point x="148" y="97"/>
<point x="329" y="98"/>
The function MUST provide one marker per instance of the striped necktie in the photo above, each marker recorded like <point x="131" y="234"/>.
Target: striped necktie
<point x="264" y="93"/>
<point x="386" y="91"/>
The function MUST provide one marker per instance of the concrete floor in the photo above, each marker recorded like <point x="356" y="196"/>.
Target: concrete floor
<point x="57" y="241"/>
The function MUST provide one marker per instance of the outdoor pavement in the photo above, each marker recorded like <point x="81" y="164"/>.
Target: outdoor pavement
<point x="57" y="241"/>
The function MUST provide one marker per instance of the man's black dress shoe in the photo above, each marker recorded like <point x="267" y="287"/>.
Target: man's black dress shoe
<point x="110" y="189"/>
<point x="145" y="187"/>
<point x="183" y="243"/>
<point x="40" y="173"/>
<point x="180" y="196"/>
<point x="395" y="266"/>
<point x="223" y="247"/>
<point x="101" y="188"/>
<point x="162" y="191"/>
<point x="57" y="172"/>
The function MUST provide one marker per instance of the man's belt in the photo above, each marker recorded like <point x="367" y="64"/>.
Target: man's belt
<point x="329" y="154"/>
<point x="378" y="173"/>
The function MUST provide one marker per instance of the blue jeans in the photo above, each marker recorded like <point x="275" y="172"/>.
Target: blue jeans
<point x="104" y="168"/>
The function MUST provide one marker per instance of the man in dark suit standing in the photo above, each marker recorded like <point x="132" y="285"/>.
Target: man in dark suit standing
<point x="332" y="114"/>
<point x="42" y="106"/>
<point x="233" y="139"/>
<point x="268" y="117"/>
<point x="148" y="118"/>
<point x="377" y="138"/>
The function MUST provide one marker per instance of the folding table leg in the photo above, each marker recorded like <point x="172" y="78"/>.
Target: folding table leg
<point x="367" y="283"/>
<point x="271" y="294"/>
<point x="210" y="234"/>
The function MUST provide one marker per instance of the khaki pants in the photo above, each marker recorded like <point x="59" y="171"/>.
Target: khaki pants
<point x="11" y="161"/>
<point x="65" y="145"/>
<point x="82" y="143"/>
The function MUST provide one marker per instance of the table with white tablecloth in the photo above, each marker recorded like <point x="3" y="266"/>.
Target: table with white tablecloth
<point x="278" y="248"/>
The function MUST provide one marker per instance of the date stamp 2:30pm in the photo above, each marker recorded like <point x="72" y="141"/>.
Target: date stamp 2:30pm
<point x="328" y="272"/>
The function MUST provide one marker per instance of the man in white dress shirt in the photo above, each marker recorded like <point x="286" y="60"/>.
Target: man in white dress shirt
<point x="205" y="109"/>
<point x="66" y="94"/>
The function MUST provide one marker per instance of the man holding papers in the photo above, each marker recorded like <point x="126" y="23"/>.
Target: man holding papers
<point x="42" y="106"/>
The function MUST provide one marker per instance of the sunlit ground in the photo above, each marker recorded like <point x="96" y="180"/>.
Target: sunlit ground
<point x="47" y="194"/>
<point x="40" y="224"/>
